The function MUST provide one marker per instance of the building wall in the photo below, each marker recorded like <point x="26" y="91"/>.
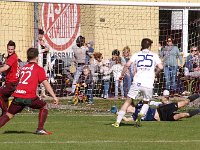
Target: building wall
<point x="16" y="24"/>
<point x="110" y="27"/>
<point x="115" y="27"/>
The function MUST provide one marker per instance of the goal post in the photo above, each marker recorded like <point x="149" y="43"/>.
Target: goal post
<point x="109" y="24"/>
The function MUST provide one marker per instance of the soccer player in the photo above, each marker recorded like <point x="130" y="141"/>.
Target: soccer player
<point x="145" y="63"/>
<point x="165" y="112"/>
<point x="11" y="69"/>
<point x="25" y="94"/>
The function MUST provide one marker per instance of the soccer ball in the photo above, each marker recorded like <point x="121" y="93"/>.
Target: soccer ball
<point x="114" y="109"/>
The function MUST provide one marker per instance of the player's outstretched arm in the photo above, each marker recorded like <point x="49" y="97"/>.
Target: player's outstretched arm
<point x="4" y="68"/>
<point x="50" y="90"/>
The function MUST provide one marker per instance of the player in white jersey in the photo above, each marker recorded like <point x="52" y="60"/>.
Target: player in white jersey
<point x="145" y="63"/>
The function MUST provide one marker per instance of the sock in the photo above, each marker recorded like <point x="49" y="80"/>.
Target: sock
<point x="193" y="112"/>
<point x="3" y="120"/>
<point x="42" y="118"/>
<point x="120" y="116"/>
<point x="193" y="97"/>
<point x="144" y="109"/>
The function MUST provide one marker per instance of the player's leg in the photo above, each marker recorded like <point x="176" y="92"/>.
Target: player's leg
<point x="147" y="96"/>
<point x="180" y="115"/>
<point x="3" y="104"/>
<point x="14" y="108"/>
<point x="190" y="113"/>
<point x="122" y="112"/>
<point x="188" y="100"/>
<point x="43" y="113"/>
<point x="5" y="93"/>
<point x="132" y="94"/>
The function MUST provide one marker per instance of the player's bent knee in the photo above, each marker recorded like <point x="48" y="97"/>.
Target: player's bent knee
<point x="9" y="115"/>
<point x="187" y="102"/>
<point x="45" y="106"/>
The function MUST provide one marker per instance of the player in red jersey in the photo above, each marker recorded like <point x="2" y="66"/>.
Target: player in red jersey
<point x="11" y="69"/>
<point x="25" y="94"/>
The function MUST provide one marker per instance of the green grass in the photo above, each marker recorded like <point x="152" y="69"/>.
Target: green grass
<point x="92" y="130"/>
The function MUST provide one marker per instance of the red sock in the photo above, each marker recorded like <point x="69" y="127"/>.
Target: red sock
<point x="3" y="120"/>
<point x="42" y="118"/>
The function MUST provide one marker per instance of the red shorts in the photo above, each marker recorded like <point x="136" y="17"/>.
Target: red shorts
<point x="18" y="104"/>
<point x="7" y="90"/>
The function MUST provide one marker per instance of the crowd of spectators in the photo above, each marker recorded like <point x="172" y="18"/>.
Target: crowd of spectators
<point x="177" y="77"/>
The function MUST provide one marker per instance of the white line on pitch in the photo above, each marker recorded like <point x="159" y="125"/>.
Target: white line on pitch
<point x="98" y="141"/>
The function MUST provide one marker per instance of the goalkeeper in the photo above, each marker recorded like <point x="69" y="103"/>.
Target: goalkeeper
<point x="164" y="112"/>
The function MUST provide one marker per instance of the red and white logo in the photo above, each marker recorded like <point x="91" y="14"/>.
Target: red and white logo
<point x="61" y="23"/>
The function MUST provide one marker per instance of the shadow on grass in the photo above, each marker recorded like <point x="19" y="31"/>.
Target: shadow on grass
<point x="18" y="132"/>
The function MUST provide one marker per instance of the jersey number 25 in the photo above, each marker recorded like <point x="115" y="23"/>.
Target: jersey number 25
<point x="145" y="58"/>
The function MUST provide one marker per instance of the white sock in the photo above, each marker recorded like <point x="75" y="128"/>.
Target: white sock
<point x="120" y="116"/>
<point x="144" y="109"/>
<point x="155" y="103"/>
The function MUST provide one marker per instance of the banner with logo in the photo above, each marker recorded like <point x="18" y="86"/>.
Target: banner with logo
<point x="61" y="24"/>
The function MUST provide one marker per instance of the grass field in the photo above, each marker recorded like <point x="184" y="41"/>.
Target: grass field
<point x="90" y="129"/>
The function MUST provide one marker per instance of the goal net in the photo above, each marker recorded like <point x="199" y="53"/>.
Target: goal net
<point x="106" y="25"/>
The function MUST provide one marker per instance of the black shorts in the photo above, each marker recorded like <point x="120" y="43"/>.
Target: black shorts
<point x="167" y="112"/>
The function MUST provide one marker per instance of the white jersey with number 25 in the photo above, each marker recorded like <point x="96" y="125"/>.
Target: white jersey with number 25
<point x="145" y="62"/>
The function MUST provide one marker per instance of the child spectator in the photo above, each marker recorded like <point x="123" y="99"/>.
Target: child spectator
<point x="105" y="70"/>
<point x="117" y="69"/>
<point x="86" y="80"/>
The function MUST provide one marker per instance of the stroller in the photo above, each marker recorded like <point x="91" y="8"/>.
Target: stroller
<point x="79" y="96"/>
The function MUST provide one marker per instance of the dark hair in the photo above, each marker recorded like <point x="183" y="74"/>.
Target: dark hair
<point x="40" y="31"/>
<point x="169" y="37"/>
<point x="116" y="52"/>
<point x="11" y="43"/>
<point x="118" y="60"/>
<point x="146" y="43"/>
<point x="80" y="41"/>
<point x="32" y="53"/>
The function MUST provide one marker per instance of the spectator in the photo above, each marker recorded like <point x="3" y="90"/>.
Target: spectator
<point x="196" y="59"/>
<point x="116" y="69"/>
<point x="87" y="81"/>
<point x="79" y="51"/>
<point x="44" y="56"/>
<point x="90" y="52"/>
<point x="11" y="68"/>
<point x="115" y="55"/>
<point x="105" y="70"/>
<point x="170" y="53"/>
<point x="189" y="62"/>
<point x="128" y="77"/>
<point x="95" y="65"/>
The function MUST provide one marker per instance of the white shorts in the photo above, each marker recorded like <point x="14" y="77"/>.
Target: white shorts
<point x="135" y="90"/>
